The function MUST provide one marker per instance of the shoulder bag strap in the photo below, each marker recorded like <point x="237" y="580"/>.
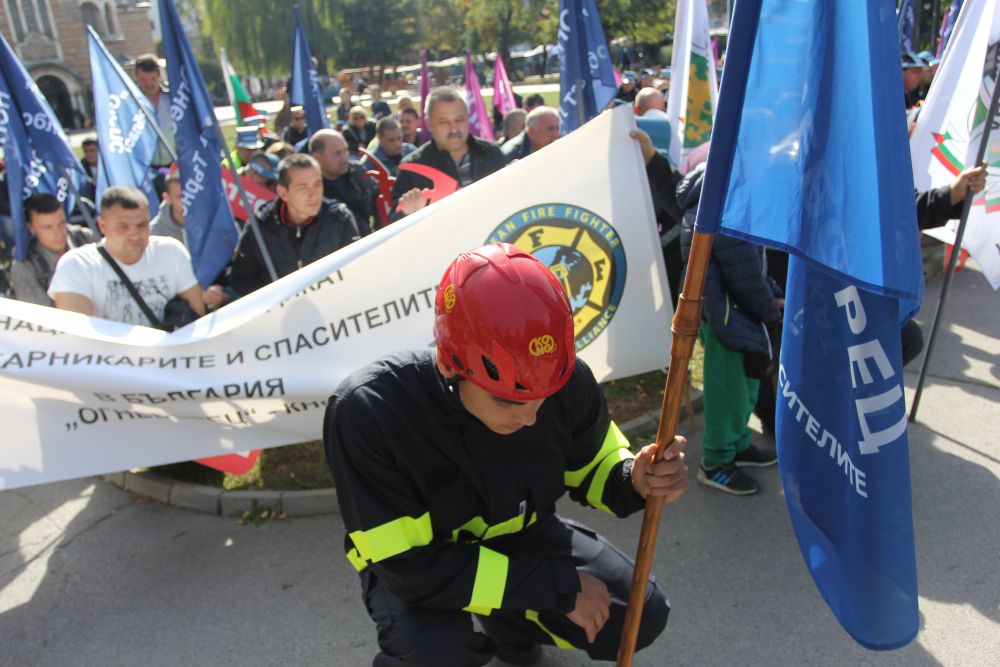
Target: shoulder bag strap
<point x="153" y="319"/>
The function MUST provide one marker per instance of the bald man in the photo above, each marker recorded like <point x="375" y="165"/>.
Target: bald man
<point x="649" y="99"/>
<point x="541" y="128"/>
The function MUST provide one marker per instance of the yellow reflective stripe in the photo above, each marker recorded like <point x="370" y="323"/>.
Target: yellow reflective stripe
<point x="491" y="581"/>
<point x="393" y="537"/>
<point x="596" y="490"/>
<point x="478" y="527"/>
<point x="556" y="639"/>
<point x="614" y="439"/>
<point x="356" y="560"/>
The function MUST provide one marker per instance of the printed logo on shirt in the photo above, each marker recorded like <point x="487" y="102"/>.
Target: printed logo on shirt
<point x="583" y="251"/>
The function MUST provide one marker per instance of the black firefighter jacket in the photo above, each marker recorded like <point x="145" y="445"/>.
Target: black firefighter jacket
<point x="442" y="508"/>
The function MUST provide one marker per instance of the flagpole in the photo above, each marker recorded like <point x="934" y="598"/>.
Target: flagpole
<point x="956" y="251"/>
<point x="251" y="215"/>
<point x="684" y="327"/>
<point x="83" y="208"/>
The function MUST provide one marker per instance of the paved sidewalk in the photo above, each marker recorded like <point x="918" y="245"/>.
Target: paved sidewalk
<point x="90" y="575"/>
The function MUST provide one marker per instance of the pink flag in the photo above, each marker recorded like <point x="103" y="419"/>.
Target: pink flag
<point x="503" y="93"/>
<point x="425" y="91"/>
<point x="479" y="121"/>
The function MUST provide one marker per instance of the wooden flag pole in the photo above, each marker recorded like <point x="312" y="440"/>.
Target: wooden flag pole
<point x="685" y="331"/>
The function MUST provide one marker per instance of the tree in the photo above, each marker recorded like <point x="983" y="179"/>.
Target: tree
<point x="374" y="32"/>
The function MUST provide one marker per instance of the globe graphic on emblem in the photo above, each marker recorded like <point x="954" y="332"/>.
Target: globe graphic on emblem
<point x="573" y="271"/>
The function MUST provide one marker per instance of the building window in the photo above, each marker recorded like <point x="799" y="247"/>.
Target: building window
<point x="109" y="15"/>
<point x="92" y="17"/>
<point x="29" y="16"/>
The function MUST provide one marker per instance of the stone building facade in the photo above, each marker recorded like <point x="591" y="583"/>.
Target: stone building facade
<point x="50" y="38"/>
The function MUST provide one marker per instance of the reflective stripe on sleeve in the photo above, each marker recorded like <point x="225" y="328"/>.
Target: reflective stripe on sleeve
<point x="392" y="538"/>
<point x="614" y="449"/>
<point x="491" y="581"/>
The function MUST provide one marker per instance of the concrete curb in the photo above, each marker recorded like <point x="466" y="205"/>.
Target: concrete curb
<point x="314" y="502"/>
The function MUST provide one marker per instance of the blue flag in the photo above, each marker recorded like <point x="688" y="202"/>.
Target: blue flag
<point x="813" y="158"/>
<point x="126" y="142"/>
<point x="586" y="74"/>
<point x="211" y="232"/>
<point x="904" y="24"/>
<point x="306" y="90"/>
<point x="38" y="155"/>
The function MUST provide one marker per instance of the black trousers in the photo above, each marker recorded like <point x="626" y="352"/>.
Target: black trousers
<point x="411" y="636"/>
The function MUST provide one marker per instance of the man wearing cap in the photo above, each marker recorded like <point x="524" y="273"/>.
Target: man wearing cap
<point x="626" y="89"/>
<point x="262" y="170"/>
<point x="296" y="130"/>
<point x="913" y="75"/>
<point x="247" y="142"/>
<point x="448" y="462"/>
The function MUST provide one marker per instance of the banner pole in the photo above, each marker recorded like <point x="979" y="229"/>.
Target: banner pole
<point x="955" y="252"/>
<point x="684" y="327"/>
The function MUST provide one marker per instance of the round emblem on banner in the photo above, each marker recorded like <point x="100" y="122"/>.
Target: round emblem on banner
<point x="582" y="250"/>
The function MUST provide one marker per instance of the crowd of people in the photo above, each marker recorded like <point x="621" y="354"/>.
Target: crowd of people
<point x="422" y="572"/>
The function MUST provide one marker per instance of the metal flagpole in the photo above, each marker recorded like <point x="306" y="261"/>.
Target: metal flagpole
<point x="79" y="204"/>
<point x="251" y="215"/>
<point x="956" y="250"/>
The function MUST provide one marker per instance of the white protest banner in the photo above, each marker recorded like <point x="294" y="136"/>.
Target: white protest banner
<point x="951" y="126"/>
<point x="82" y="396"/>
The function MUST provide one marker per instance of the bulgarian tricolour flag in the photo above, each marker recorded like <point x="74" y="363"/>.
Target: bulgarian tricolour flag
<point x="951" y="125"/>
<point x="238" y="95"/>
<point x="693" y="88"/>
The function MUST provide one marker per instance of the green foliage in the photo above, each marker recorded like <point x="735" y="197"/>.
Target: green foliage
<point x="258" y="34"/>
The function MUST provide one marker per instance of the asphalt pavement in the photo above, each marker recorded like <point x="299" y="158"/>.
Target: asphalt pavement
<point x="91" y="575"/>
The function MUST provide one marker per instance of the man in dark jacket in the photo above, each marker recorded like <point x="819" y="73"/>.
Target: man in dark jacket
<point x="298" y="228"/>
<point x="741" y="318"/>
<point x="448" y="463"/>
<point x="343" y="178"/>
<point x="452" y="151"/>
<point x="541" y="128"/>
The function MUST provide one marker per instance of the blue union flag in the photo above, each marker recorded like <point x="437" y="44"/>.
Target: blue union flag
<point x="586" y="75"/>
<point x="126" y="141"/>
<point x="785" y="171"/>
<point x="38" y="156"/>
<point x="211" y="232"/>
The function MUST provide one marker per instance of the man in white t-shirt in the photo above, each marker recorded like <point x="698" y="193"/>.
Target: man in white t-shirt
<point x="159" y="267"/>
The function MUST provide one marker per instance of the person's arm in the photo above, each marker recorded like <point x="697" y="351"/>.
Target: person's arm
<point x="938" y="206"/>
<point x="599" y="465"/>
<point x="389" y="528"/>
<point x="77" y="303"/>
<point x="194" y="298"/>
<point x="24" y="284"/>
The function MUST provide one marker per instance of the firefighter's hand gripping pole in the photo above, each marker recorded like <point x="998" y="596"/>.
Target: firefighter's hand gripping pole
<point x="685" y="332"/>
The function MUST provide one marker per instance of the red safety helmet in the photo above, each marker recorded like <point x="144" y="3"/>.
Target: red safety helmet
<point x="502" y="321"/>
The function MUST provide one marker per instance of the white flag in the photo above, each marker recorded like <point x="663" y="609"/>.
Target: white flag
<point x="948" y="134"/>
<point x="82" y="396"/>
<point x="693" y="86"/>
